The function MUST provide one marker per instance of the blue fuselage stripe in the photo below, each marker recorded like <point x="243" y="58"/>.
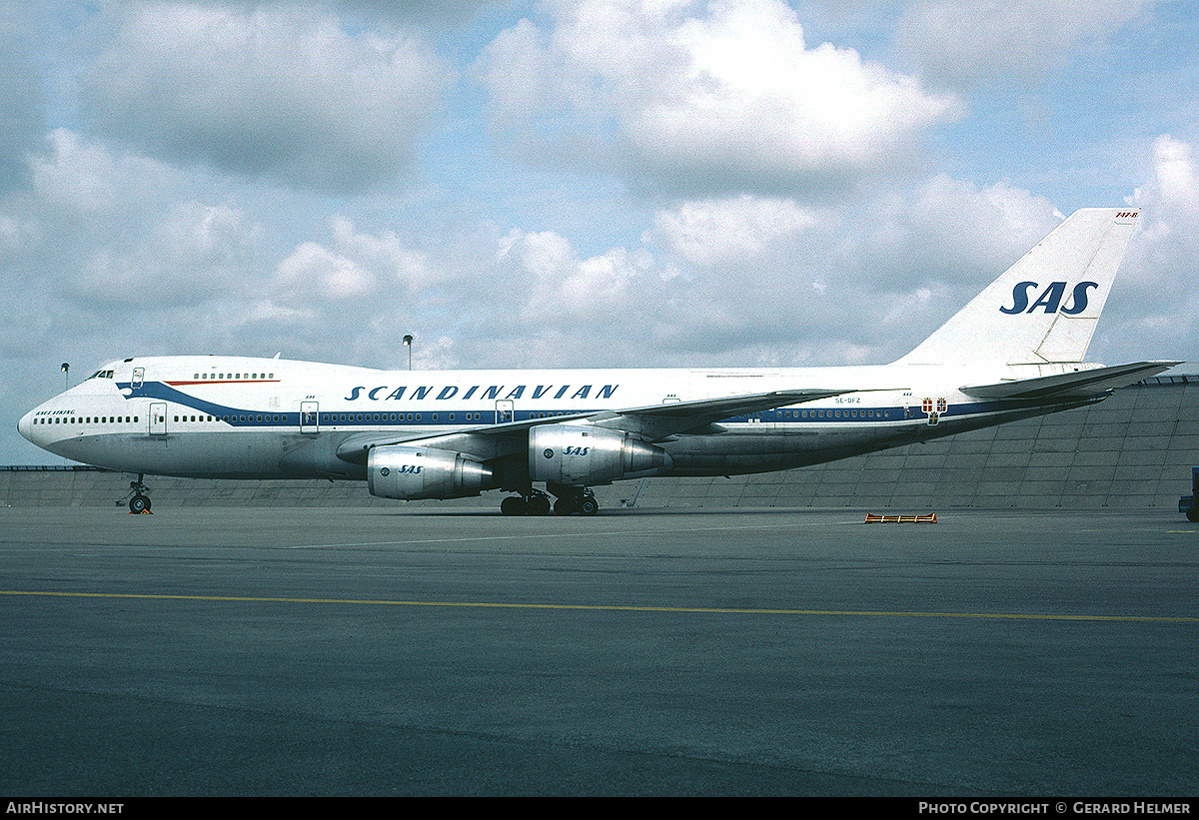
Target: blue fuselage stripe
<point x="241" y="417"/>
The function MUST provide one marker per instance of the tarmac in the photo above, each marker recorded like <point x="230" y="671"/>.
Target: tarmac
<point x="454" y="651"/>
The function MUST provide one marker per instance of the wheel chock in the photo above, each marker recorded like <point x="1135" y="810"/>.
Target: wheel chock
<point x="930" y="518"/>
<point x="143" y="512"/>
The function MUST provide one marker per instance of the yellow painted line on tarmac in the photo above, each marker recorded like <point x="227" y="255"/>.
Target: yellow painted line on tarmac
<point x="529" y="536"/>
<point x="1014" y="616"/>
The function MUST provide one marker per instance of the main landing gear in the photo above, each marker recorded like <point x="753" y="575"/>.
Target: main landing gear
<point x="535" y="503"/>
<point x="582" y="502"/>
<point x="139" y="501"/>
<point x="570" y="500"/>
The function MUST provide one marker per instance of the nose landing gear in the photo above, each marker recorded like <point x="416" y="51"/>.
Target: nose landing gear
<point x="139" y="501"/>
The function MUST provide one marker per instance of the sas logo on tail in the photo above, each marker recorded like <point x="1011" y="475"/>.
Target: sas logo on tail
<point x="1050" y="299"/>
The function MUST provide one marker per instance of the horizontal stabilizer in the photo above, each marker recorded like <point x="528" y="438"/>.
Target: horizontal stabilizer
<point x="1078" y="383"/>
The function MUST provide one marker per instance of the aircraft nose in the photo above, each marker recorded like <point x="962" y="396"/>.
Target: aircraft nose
<point x="25" y="426"/>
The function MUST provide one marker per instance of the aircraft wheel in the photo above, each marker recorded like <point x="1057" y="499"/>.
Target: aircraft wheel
<point x="563" y="507"/>
<point x="514" y="505"/>
<point x="588" y="505"/>
<point x="139" y="503"/>
<point x="539" y="505"/>
<point x="1193" y="514"/>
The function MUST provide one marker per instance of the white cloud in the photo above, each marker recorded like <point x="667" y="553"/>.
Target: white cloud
<point x="17" y="233"/>
<point x="82" y="176"/>
<point x="191" y="256"/>
<point x="704" y="96"/>
<point x="280" y="93"/>
<point x="312" y="270"/>
<point x="949" y="230"/>
<point x="20" y="114"/>
<point x="562" y="290"/>
<point x="965" y="41"/>
<point x="113" y="230"/>
<point x="1154" y="308"/>
<point x="1174" y="168"/>
<point x="358" y="266"/>
<point x="712" y="231"/>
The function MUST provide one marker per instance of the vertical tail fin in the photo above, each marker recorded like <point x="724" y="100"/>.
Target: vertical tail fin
<point x="1045" y="307"/>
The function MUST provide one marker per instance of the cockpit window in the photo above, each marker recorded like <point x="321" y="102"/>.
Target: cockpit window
<point x="101" y="374"/>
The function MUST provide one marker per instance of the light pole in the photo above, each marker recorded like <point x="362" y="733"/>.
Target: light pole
<point x="66" y="385"/>
<point x="408" y="344"/>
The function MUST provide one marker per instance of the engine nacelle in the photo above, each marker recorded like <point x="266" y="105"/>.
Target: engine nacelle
<point x="584" y="456"/>
<point x="404" y="471"/>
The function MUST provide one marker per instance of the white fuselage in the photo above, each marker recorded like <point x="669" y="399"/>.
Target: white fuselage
<point x="1015" y="350"/>
<point x="216" y="416"/>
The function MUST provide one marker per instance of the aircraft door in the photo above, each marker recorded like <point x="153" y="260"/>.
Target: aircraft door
<point x="139" y="374"/>
<point x="158" y="418"/>
<point x="504" y="411"/>
<point x="309" y="417"/>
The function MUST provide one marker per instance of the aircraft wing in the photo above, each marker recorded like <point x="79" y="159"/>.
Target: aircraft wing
<point x="1064" y="385"/>
<point x="654" y="421"/>
<point x="482" y="441"/>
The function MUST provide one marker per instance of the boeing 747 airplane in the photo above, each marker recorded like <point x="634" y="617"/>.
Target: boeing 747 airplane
<point x="1013" y="352"/>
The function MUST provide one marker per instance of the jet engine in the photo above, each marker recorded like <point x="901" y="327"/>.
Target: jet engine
<point x="585" y="456"/>
<point x="404" y="471"/>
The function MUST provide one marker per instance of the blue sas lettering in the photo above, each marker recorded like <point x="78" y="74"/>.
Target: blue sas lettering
<point x="1049" y="299"/>
<point x="411" y="469"/>
<point x="575" y="451"/>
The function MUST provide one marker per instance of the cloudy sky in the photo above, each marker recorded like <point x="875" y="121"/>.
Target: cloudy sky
<point x="573" y="182"/>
